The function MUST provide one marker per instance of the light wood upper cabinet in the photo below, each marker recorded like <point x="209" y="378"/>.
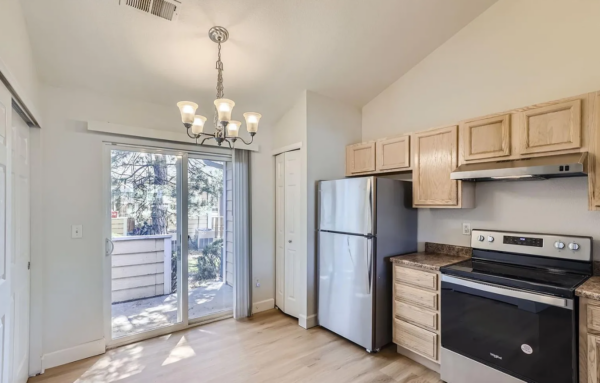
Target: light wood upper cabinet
<point x="594" y="156"/>
<point x="393" y="154"/>
<point x="550" y="128"/>
<point x="360" y="158"/>
<point x="435" y="156"/>
<point x="486" y="138"/>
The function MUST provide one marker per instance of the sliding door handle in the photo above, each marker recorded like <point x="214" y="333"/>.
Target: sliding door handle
<point x="109" y="247"/>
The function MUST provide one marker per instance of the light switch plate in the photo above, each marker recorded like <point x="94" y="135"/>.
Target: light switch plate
<point x="77" y="231"/>
<point x="466" y="228"/>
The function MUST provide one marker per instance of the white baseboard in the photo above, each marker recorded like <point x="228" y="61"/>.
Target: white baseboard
<point x="68" y="355"/>
<point x="265" y="305"/>
<point x="308" y="321"/>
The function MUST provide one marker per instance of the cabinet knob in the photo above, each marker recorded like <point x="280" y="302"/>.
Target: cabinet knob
<point x="290" y="241"/>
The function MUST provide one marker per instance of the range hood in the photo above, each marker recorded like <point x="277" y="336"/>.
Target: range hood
<point x="565" y="165"/>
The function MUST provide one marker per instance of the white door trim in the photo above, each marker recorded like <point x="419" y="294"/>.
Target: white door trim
<point x="287" y="148"/>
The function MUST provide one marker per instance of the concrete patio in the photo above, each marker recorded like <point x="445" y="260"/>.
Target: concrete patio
<point x="146" y="314"/>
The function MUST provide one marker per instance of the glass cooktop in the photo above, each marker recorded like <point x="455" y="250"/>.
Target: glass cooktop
<point x="523" y="277"/>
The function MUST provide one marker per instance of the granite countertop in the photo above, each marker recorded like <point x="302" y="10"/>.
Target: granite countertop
<point x="589" y="289"/>
<point x="435" y="256"/>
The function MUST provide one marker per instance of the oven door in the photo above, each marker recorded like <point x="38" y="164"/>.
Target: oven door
<point x="527" y="335"/>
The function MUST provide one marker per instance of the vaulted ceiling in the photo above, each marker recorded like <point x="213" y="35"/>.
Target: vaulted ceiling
<point x="349" y="50"/>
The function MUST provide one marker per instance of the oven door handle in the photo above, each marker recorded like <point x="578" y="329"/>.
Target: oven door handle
<point x="546" y="299"/>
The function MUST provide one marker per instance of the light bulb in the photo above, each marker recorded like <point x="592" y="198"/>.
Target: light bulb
<point x="187" y="109"/>
<point x="252" y="120"/>
<point x="198" y="125"/>
<point x="233" y="128"/>
<point x="224" y="108"/>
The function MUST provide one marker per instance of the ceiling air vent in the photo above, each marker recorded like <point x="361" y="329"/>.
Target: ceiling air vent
<point x="161" y="8"/>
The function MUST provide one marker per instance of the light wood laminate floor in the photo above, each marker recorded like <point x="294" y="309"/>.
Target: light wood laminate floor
<point x="270" y="347"/>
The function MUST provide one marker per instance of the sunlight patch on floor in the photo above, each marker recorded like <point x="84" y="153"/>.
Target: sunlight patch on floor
<point x="181" y="351"/>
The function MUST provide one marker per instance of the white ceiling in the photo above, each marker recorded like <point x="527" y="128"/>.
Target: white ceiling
<point x="350" y="50"/>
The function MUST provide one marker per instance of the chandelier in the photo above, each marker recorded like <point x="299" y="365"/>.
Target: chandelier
<point x="226" y="129"/>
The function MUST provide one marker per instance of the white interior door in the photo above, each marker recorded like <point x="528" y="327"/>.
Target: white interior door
<point x="20" y="248"/>
<point x="292" y="245"/>
<point x="6" y="295"/>
<point x="14" y="243"/>
<point x="280" y="231"/>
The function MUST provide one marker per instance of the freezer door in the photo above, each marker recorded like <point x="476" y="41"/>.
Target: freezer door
<point x="346" y="286"/>
<point x="346" y="205"/>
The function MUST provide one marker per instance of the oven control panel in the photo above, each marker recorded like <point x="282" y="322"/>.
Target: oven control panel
<point x="545" y="245"/>
<point x="523" y="241"/>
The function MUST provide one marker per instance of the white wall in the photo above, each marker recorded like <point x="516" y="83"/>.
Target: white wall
<point x="16" y="57"/>
<point x="332" y="126"/>
<point x="324" y="126"/>
<point x="517" y="53"/>
<point x="291" y="127"/>
<point x="73" y="193"/>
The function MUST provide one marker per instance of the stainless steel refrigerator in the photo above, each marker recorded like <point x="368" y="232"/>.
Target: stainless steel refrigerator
<point x="361" y="223"/>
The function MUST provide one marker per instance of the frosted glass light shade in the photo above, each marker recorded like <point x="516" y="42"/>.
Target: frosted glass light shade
<point x="188" y="110"/>
<point x="233" y="128"/>
<point x="252" y="121"/>
<point x="224" y="108"/>
<point x="198" y="124"/>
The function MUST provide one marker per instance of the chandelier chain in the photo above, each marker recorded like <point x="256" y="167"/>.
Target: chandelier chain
<point x="220" y="87"/>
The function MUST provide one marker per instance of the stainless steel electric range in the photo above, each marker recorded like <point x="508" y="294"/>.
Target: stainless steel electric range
<point x="509" y="314"/>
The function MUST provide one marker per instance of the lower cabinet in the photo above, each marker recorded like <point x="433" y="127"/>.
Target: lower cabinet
<point x="589" y="341"/>
<point x="416" y="311"/>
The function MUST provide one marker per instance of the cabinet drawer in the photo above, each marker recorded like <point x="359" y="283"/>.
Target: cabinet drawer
<point x="593" y="317"/>
<point x="415" y="296"/>
<point x="416" y="339"/>
<point x="425" y="318"/>
<point x="416" y="277"/>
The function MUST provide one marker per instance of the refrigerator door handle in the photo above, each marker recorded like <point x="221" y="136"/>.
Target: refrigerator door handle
<point x="369" y="265"/>
<point x="370" y="198"/>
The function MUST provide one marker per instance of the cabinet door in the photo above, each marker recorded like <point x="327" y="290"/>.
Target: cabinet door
<point x="594" y="156"/>
<point x="360" y="158"/>
<point x="550" y="128"/>
<point x="393" y="153"/>
<point x="486" y="138"/>
<point x="435" y="157"/>
<point x="593" y="353"/>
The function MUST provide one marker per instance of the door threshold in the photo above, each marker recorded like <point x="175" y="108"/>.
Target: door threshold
<point x="157" y="333"/>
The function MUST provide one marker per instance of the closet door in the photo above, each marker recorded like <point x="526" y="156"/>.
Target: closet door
<point x="292" y="238"/>
<point x="280" y="231"/>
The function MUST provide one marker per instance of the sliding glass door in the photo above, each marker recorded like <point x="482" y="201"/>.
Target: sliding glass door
<point x="160" y="279"/>
<point x="210" y="263"/>
<point x="145" y="200"/>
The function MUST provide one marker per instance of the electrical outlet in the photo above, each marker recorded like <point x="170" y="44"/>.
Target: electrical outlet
<point x="257" y="283"/>
<point x="466" y="228"/>
<point x="76" y="231"/>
